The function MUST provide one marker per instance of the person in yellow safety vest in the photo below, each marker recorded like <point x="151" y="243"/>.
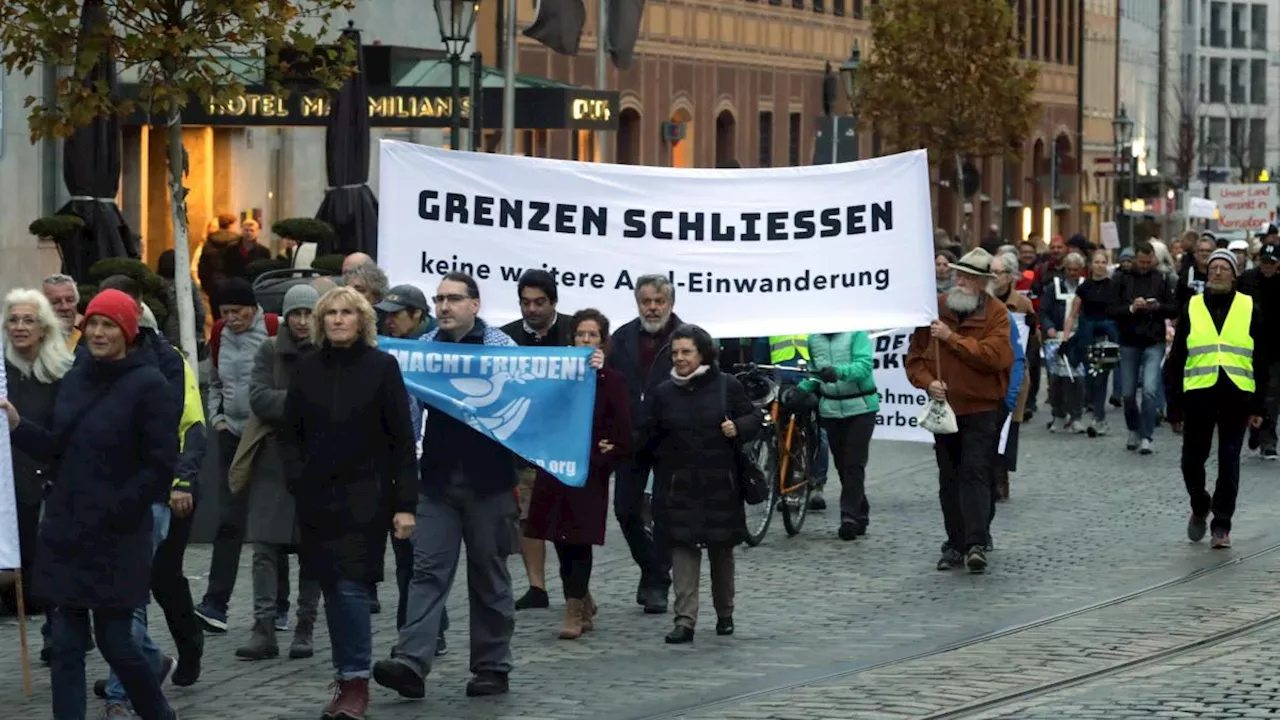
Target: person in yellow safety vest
<point x="789" y="350"/>
<point x="1215" y="379"/>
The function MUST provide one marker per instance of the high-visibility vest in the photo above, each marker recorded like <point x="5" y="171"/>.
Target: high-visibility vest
<point x="1209" y="351"/>
<point x="783" y="348"/>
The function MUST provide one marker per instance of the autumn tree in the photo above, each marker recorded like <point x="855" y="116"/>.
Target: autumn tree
<point x="944" y="75"/>
<point x="183" y="52"/>
<point x="1186" y="146"/>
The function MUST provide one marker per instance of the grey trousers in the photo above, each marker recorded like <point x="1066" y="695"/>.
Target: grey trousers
<point x="686" y="574"/>
<point x="269" y="581"/>
<point x="488" y="526"/>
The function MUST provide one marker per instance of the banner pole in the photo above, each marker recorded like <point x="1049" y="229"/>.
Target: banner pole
<point x="22" y="634"/>
<point x="509" y="81"/>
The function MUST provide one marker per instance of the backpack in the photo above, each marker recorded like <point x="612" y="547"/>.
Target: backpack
<point x="272" y="321"/>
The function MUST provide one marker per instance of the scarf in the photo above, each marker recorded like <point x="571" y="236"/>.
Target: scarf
<point x="682" y="380"/>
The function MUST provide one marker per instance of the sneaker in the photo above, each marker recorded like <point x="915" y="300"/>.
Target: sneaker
<point x="117" y="711"/>
<point x="442" y="646"/>
<point x="848" y="531"/>
<point x="1221" y="540"/>
<point x="1075" y="427"/>
<point x="535" y="598"/>
<point x="724" y="625"/>
<point x="1268" y="453"/>
<point x="282" y="621"/>
<point x="1055" y="425"/>
<point x="1132" y="443"/>
<point x="1196" y="527"/>
<point x="1144" y="447"/>
<point x="976" y="560"/>
<point x="212" y="618"/>
<point x="1116" y="401"/>
<point x="950" y="560"/>
<point x="1098" y="428"/>
<point x="817" y="501"/>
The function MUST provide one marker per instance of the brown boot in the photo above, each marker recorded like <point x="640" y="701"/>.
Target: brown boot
<point x="1002" y="484"/>
<point x="350" y="702"/>
<point x="573" y="612"/>
<point x="589" y="611"/>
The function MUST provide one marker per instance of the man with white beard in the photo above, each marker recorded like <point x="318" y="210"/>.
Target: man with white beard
<point x="965" y="358"/>
<point x="640" y="351"/>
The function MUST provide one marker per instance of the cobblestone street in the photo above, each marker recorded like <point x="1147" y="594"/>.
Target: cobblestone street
<point x="827" y="629"/>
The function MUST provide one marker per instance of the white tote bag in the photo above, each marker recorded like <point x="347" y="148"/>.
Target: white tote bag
<point x="938" y="417"/>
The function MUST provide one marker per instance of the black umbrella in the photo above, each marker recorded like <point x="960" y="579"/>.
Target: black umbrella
<point x="91" y="165"/>
<point x="349" y="205"/>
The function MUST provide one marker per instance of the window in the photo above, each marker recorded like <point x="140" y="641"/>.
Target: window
<point x="1257" y="143"/>
<point x="1204" y="74"/>
<point x="797" y="4"/>
<point x="1059" y="27"/>
<point x="819" y="6"/>
<point x="1239" y="38"/>
<point x="796" y="143"/>
<point x="1217" y="80"/>
<point x="1217" y="25"/>
<point x="1072" y="40"/>
<point x="837" y="7"/>
<point x="857" y="9"/>
<point x="1217" y="150"/>
<point x="766" y="140"/>
<point x="1035" y="28"/>
<point x="1258" y="26"/>
<point x="1239" y="128"/>
<point x="1021" y="21"/>
<point x="1258" y="82"/>
<point x="1048" y="31"/>
<point x="1239" y="92"/>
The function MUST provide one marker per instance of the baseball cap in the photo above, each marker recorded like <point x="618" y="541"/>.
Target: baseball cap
<point x="1268" y="229"/>
<point x="1270" y="252"/>
<point x="401" y="297"/>
<point x="1238" y="245"/>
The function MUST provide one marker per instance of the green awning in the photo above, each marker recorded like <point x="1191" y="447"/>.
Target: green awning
<point x="436" y="73"/>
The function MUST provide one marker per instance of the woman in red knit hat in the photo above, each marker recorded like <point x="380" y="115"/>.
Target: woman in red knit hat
<point x="112" y="435"/>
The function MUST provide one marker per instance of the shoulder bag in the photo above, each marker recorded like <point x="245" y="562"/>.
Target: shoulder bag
<point x="753" y="486"/>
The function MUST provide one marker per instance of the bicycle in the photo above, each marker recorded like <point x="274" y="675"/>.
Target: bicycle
<point x="762" y="391"/>
<point x="793" y="428"/>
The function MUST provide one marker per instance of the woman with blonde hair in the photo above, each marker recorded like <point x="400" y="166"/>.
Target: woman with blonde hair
<point x="350" y="465"/>
<point x="35" y="359"/>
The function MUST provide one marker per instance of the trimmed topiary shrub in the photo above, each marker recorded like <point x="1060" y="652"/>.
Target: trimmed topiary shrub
<point x="304" y="229"/>
<point x="59" y="227"/>
<point x="329" y="263"/>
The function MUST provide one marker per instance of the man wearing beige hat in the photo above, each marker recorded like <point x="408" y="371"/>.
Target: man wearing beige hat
<point x="965" y="358"/>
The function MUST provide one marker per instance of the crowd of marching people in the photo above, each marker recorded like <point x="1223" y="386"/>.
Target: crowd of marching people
<point x="325" y="458"/>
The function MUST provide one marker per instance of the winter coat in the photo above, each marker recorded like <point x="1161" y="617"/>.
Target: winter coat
<point x="450" y="445"/>
<point x="854" y="392"/>
<point x="1059" y="295"/>
<point x="976" y="359"/>
<point x="271" y="518"/>
<point x="557" y="335"/>
<point x="235" y="262"/>
<point x="114" y="437"/>
<point x="229" y="386"/>
<point x="348" y="459"/>
<point x="1224" y="398"/>
<point x="34" y="401"/>
<point x="577" y="516"/>
<point x="681" y="437"/>
<point x="624" y="356"/>
<point x="1143" y="328"/>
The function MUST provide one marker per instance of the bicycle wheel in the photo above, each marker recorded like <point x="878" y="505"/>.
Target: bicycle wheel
<point x="795" y="501"/>
<point x="764" y="453"/>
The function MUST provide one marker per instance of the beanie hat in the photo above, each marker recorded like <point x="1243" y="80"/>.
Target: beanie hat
<point x="299" y="297"/>
<point x="118" y="308"/>
<point x="235" y="291"/>
<point x="1226" y="256"/>
<point x="1128" y="254"/>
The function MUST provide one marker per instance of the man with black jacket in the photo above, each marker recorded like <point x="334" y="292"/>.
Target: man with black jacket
<point x="1262" y="283"/>
<point x="1192" y="277"/>
<point x="639" y="350"/>
<point x="1216" y="379"/>
<point x="1143" y="299"/>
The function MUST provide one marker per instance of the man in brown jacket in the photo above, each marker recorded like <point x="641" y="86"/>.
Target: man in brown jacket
<point x="965" y="358"/>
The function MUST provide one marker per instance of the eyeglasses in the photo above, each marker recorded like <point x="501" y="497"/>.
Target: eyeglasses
<point x="16" y="321"/>
<point x="451" y="299"/>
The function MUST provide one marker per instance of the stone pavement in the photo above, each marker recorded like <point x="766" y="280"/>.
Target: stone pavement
<point x="1088" y="521"/>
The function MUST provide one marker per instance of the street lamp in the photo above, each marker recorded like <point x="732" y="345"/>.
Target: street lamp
<point x="456" y="19"/>
<point x="849" y="74"/>
<point x="1122" y="128"/>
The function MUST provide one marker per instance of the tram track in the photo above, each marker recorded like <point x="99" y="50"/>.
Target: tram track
<point x="766" y="689"/>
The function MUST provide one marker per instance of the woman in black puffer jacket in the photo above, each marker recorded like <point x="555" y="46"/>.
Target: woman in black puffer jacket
<point x="691" y="423"/>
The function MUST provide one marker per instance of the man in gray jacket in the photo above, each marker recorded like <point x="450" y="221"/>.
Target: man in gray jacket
<point x="232" y="347"/>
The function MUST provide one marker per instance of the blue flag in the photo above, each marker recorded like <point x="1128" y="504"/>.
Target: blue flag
<point x="538" y="402"/>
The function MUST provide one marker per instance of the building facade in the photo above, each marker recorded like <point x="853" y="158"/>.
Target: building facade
<point x="1097" y="181"/>
<point x="1231" y="86"/>
<point x="29" y="185"/>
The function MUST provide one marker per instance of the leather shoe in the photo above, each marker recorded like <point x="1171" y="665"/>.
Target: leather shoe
<point x="397" y="676"/>
<point x="680" y="635"/>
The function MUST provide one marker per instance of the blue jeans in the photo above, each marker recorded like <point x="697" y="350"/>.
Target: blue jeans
<point x="346" y="610"/>
<point x="1141" y="365"/>
<point x="114" y="631"/>
<point x="115" y="691"/>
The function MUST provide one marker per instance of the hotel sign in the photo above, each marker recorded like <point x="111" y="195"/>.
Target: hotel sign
<point x="549" y="108"/>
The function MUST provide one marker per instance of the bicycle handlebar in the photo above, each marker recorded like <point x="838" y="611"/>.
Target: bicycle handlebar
<point x="753" y="367"/>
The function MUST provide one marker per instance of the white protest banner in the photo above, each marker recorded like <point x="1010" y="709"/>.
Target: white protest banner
<point x="1023" y="333"/>
<point x="773" y="251"/>
<point x="1244" y="207"/>
<point x="900" y="402"/>
<point x="10" y="553"/>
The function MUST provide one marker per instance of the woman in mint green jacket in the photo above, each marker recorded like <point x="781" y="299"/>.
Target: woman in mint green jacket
<point x="848" y="406"/>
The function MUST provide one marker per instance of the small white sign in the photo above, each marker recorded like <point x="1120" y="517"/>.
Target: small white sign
<point x="1110" y="236"/>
